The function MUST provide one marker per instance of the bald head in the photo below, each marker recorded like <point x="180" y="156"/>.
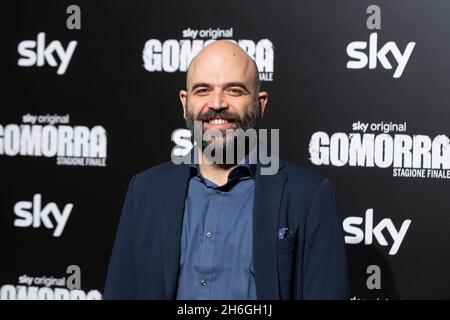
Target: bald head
<point x="223" y="60"/>
<point x="223" y="86"/>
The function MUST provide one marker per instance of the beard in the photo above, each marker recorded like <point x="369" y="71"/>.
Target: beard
<point x="248" y="121"/>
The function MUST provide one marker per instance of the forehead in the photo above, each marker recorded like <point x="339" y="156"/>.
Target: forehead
<point x="217" y="69"/>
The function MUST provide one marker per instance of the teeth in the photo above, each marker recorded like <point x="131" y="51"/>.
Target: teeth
<point x="217" y="121"/>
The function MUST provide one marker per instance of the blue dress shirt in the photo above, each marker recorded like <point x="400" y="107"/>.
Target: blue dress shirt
<point x="216" y="241"/>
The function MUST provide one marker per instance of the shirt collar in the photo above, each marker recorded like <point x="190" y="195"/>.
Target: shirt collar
<point x="244" y="164"/>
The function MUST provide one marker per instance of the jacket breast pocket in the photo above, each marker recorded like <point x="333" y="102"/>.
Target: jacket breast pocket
<point x="287" y="243"/>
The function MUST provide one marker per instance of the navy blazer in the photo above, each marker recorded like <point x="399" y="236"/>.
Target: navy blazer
<point x="308" y="264"/>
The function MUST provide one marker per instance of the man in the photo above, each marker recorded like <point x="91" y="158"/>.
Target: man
<point x="225" y="231"/>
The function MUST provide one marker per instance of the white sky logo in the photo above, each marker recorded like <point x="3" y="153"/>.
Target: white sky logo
<point x="37" y="53"/>
<point x="357" y="235"/>
<point x="361" y="59"/>
<point x="33" y="214"/>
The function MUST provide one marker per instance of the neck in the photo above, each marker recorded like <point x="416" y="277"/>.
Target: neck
<point x="217" y="173"/>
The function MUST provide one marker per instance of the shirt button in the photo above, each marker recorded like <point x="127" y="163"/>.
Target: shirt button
<point x="209" y="234"/>
<point x="203" y="283"/>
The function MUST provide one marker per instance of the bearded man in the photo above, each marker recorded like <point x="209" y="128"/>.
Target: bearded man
<point x="219" y="229"/>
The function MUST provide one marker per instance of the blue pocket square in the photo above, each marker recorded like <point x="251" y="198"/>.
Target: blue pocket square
<point x="284" y="233"/>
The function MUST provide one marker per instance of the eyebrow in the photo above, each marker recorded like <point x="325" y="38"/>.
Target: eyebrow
<point x="200" y="84"/>
<point x="227" y="85"/>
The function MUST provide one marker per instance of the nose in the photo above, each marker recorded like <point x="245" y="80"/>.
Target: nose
<point x="218" y="102"/>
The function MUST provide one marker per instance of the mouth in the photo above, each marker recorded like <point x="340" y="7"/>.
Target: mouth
<point x="218" y="123"/>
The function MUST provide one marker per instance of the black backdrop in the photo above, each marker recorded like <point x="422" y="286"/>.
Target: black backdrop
<point x="312" y="90"/>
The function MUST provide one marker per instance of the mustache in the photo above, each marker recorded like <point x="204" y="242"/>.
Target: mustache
<point x="223" y="114"/>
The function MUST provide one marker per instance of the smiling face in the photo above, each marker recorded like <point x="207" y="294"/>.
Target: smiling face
<point x="223" y="89"/>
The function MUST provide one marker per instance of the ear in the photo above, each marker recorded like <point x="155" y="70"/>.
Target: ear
<point x="183" y="99"/>
<point x="262" y="102"/>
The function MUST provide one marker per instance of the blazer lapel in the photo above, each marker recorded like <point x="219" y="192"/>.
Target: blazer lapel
<point x="266" y="208"/>
<point x="174" y="195"/>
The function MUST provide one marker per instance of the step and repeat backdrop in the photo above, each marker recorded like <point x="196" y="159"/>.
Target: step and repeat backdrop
<point x="360" y="91"/>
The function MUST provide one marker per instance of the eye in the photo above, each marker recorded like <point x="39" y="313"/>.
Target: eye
<point x="201" y="91"/>
<point x="235" y="91"/>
